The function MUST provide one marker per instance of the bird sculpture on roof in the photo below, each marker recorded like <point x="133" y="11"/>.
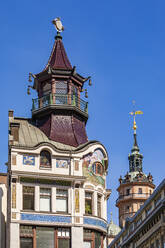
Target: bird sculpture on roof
<point x="58" y="24"/>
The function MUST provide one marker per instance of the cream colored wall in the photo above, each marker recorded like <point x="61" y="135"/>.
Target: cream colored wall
<point x="3" y="214"/>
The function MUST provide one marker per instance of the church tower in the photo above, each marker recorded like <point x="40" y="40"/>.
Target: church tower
<point x="136" y="186"/>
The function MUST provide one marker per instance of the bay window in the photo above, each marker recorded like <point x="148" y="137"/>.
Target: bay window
<point x="61" y="200"/>
<point x="45" y="199"/>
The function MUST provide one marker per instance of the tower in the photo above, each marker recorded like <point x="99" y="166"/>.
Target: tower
<point x="57" y="194"/>
<point x="136" y="186"/>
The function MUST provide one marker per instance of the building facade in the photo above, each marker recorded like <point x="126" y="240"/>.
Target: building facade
<point x="146" y="229"/>
<point x="57" y="194"/>
<point x="135" y="187"/>
<point x="3" y="208"/>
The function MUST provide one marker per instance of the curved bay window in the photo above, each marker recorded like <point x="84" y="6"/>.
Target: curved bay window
<point x="97" y="168"/>
<point x="45" y="159"/>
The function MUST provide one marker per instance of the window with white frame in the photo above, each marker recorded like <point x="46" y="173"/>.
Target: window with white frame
<point x="61" y="200"/>
<point x="45" y="199"/>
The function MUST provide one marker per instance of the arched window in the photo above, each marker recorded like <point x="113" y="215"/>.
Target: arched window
<point x="45" y="159"/>
<point x="97" y="168"/>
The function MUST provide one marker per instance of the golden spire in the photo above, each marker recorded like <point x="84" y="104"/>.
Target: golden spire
<point x="134" y="113"/>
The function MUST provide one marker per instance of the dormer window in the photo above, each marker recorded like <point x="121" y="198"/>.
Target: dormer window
<point x="45" y="159"/>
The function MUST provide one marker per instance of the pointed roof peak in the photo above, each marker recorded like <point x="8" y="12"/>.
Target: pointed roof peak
<point x="58" y="58"/>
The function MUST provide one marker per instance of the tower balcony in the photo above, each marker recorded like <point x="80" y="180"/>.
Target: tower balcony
<point x="131" y="196"/>
<point x="60" y="101"/>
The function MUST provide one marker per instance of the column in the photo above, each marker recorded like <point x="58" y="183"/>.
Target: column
<point x="53" y="200"/>
<point x="77" y="237"/>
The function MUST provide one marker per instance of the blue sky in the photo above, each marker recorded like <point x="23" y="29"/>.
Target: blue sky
<point x="120" y="43"/>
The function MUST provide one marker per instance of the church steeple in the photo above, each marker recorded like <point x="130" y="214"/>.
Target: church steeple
<point x="135" y="158"/>
<point x="135" y="187"/>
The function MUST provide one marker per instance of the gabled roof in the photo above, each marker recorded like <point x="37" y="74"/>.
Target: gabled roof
<point x="58" y="58"/>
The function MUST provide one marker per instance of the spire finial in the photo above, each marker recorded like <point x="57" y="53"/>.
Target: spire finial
<point x="134" y="113"/>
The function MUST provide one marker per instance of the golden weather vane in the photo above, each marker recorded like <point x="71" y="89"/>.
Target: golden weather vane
<point x="134" y="113"/>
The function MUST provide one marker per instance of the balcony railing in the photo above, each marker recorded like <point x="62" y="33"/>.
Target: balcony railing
<point x="133" y="195"/>
<point x="59" y="99"/>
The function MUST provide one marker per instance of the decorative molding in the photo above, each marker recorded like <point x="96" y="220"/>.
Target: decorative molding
<point x="95" y="222"/>
<point x="62" y="163"/>
<point x="13" y="195"/>
<point x="77" y="201"/>
<point x="46" y="218"/>
<point x="44" y="181"/>
<point x="28" y="160"/>
<point x="14" y="159"/>
<point x="76" y="165"/>
<point x="14" y="215"/>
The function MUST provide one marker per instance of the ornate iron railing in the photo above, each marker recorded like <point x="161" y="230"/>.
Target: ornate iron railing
<point x="60" y="99"/>
<point x="133" y="195"/>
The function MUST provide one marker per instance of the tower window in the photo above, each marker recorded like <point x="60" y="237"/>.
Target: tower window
<point x="127" y="208"/>
<point x="45" y="159"/>
<point x="140" y="191"/>
<point x="61" y="88"/>
<point x="97" y="168"/>
<point x="46" y="89"/>
<point x="127" y="191"/>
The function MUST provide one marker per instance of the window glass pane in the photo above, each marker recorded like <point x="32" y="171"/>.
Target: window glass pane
<point x="26" y="231"/>
<point x="45" y="237"/>
<point x="87" y="244"/>
<point x="63" y="243"/>
<point x="44" y="203"/>
<point x="61" y="205"/>
<point x="28" y="198"/>
<point x="88" y="203"/>
<point x="45" y="199"/>
<point x="97" y="240"/>
<point x="61" y="192"/>
<point x="26" y="243"/>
